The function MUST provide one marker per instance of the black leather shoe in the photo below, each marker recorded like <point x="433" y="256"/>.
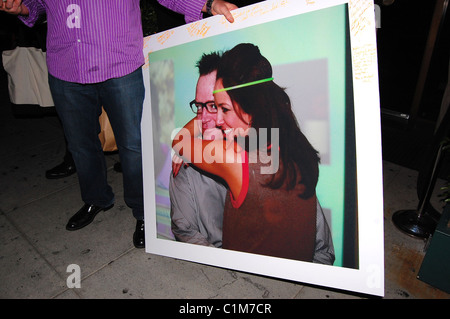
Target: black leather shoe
<point x="62" y="170"/>
<point x="85" y="216"/>
<point x="139" y="235"/>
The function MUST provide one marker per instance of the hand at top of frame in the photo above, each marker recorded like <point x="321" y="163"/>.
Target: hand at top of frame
<point x="14" y="7"/>
<point x="223" y="7"/>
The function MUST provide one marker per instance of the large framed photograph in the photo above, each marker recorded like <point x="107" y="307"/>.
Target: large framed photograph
<point x="317" y="86"/>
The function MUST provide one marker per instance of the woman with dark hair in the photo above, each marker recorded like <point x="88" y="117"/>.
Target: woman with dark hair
<point x="270" y="213"/>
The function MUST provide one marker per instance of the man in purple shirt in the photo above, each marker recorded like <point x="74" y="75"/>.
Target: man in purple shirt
<point x="94" y="58"/>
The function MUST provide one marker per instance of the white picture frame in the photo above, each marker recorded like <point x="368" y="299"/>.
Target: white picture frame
<point x="335" y="36"/>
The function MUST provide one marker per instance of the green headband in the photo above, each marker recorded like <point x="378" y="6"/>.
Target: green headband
<point x="242" y="85"/>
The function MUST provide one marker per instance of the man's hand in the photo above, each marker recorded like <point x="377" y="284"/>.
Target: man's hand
<point x="14" y="7"/>
<point x="177" y="163"/>
<point x="224" y="8"/>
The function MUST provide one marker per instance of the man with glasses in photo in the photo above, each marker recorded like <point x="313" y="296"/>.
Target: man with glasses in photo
<point x="197" y="200"/>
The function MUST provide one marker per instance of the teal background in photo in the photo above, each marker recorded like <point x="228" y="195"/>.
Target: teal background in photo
<point x="317" y="35"/>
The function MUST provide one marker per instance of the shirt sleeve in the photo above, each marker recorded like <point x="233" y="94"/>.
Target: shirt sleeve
<point x="324" y="251"/>
<point x="191" y="9"/>
<point x="183" y="210"/>
<point x="36" y="10"/>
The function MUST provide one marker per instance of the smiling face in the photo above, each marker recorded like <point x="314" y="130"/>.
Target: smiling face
<point x="227" y="112"/>
<point x="203" y="94"/>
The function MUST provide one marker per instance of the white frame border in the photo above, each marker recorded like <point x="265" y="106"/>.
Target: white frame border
<point x="369" y="277"/>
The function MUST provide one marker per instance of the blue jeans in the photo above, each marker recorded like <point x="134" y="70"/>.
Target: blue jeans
<point x="79" y="107"/>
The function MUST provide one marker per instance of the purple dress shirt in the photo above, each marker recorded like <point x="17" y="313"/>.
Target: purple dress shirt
<point x="90" y="41"/>
<point x="191" y="9"/>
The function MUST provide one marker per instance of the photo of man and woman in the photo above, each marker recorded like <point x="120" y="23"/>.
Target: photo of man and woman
<point x="249" y="142"/>
<point x="237" y="95"/>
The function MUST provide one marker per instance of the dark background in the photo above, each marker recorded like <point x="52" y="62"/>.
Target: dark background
<point x="402" y="45"/>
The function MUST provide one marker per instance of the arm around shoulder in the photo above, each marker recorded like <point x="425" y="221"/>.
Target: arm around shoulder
<point x="214" y="157"/>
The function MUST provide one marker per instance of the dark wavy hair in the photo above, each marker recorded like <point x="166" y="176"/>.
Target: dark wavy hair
<point x="270" y="107"/>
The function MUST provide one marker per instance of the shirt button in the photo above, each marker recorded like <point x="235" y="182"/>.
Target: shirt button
<point x="78" y="40"/>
